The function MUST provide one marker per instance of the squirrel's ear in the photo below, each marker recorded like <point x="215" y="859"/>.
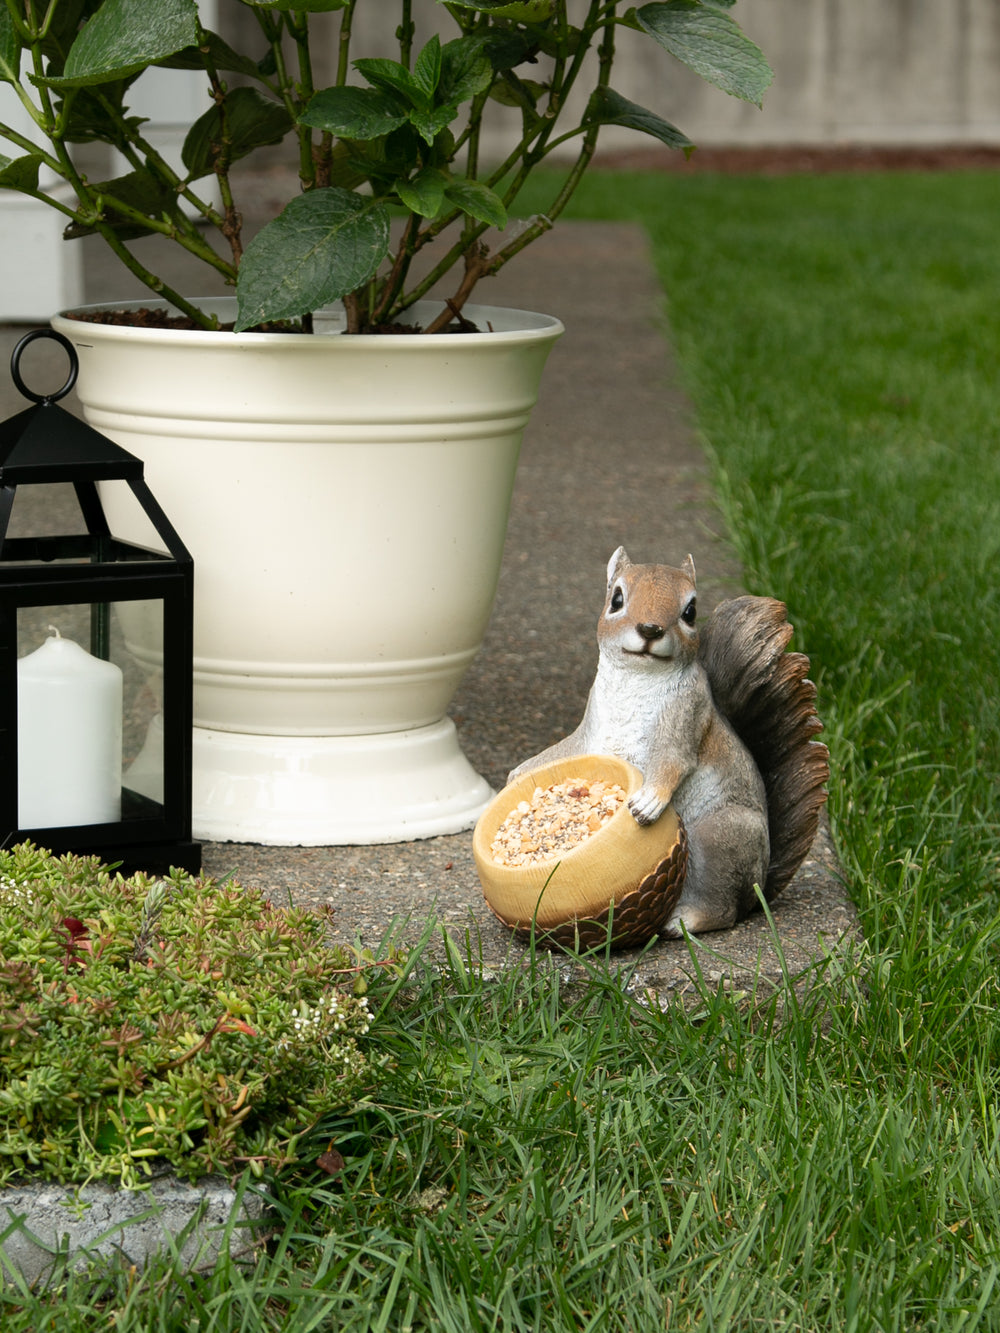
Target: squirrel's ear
<point x="618" y="562"/>
<point x="688" y="568"/>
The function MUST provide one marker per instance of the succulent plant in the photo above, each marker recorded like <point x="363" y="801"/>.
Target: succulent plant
<point x="176" y="1021"/>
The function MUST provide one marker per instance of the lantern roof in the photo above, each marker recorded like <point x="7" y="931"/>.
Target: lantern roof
<point x="45" y="443"/>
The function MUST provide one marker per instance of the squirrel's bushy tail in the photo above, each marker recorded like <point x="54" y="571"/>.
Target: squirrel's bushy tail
<point x="764" y="692"/>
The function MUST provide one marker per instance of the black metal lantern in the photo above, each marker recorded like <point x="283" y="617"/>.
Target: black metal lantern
<point x="95" y="654"/>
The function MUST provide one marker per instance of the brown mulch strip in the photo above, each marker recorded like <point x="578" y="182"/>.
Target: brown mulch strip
<point x="791" y="159"/>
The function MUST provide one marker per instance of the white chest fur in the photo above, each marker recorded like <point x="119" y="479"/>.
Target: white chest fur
<point x="624" y="704"/>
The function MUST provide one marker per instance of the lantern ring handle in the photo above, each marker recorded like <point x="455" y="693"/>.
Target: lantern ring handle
<point x="15" y="366"/>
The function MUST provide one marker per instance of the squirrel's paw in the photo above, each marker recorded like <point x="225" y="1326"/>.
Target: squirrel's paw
<point x="691" y="920"/>
<point x="647" y="805"/>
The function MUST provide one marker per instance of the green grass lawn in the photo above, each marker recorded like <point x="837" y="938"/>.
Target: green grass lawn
<point x="840" y="337"/>
<point x="537" y="1160"/>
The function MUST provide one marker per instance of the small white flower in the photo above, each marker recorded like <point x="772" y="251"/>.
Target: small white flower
<point x="334" y="1016"/>
<point x="14" y="894"/>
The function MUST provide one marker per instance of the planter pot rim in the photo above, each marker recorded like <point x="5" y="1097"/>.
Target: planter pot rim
<point x="508" y="325"/>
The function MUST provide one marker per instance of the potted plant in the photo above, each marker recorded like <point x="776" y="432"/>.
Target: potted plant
<point x="324" y="669"/>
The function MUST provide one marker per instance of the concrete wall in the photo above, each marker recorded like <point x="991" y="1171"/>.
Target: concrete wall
<point x="860" y="71"/>
<point x="864" y="71"/>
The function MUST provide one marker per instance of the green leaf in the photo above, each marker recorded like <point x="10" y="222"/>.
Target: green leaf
<point x="429" y="124"/>
<point x="310" y="6"/>
<point x="354" y="113"/>
<point x="521" y="11"/>
<point x="424" y="192"/>
<point x="220" y="53"/>
<point x="90" y="117"/>
<point x="140" y="190"/>
<point x="606" y="107"/>
<point x="392" y="77"/>
<point x="67" y="17"/>
<point x="442" y="151"/>
<point x="522" y="93"/>
<point x="508" y="47"/>
<point x="479" y="201"/>
<point x="10" y="48"/>
<point x="427" y="69"/>
<point x="710" y="43"/>
<point x="251" y="120"/>
<point x="325" y="244"/>
<point x="359" y="160"/>
<point x="465" y="69"/>
<point x="19" y="173"/>
<point x="396" y="155"/>
<point x="125" y="36"/>
<point x="345" y="169"/>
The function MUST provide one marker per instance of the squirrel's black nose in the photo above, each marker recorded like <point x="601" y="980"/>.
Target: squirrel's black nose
<point x="651" y="632"/>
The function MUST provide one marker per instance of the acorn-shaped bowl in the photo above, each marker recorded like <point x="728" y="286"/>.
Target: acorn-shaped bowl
<point x="621" y="882"/>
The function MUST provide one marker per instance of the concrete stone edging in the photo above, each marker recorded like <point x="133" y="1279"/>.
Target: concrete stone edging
<point x="45" y="1227"/>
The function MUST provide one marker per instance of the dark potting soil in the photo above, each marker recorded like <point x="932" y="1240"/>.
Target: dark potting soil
<point x="147" y="317"/>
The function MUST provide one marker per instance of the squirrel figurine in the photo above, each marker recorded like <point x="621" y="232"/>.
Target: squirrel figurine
<point x="720" y="724"/>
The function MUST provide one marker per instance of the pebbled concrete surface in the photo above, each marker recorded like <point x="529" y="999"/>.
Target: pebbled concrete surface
<point x="610" y="456"/>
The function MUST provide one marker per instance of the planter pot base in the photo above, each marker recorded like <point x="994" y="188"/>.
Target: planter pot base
<point x="334" y="790"/>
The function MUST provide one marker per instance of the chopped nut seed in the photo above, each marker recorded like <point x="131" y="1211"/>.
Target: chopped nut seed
<point x="556" y="819"/>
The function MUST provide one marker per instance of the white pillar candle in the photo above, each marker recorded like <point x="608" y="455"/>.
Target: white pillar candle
<point x="69" y="737"/>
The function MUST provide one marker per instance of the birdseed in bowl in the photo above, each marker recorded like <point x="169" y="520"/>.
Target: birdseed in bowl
<point x="556" y="819"/>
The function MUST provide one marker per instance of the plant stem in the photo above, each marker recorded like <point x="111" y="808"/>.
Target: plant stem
<point x="150" y="280"/>
<point x="400" y="267"/>
<point x="312" y="163"/>
<point x="273" y="27"/>
<point x="352" y="311"/>
<point x="22" y="18"/>
<point x="344" y="43"/>
<point x="91" y="212"/>
<point x="476" y="266"/>
<point x="442" y="267"/>
<point x="194" y="245"/>
<point x="532" y="149"/>
<point x="543" y="222"/>
<point x="597" y="14"/>
<point x="473" y="134"/>
<point x="31" y="148"/>
<point x="404" y="33"/>
<point x="232" y="222"/>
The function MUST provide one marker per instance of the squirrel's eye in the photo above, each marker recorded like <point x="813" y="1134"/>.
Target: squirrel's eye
<point x="617" y="600"/>
<point x="690" y="613"/>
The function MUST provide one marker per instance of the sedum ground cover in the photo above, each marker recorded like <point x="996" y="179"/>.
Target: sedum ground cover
<point x="827" y="1158"/>
<point x="173" y="1022"/>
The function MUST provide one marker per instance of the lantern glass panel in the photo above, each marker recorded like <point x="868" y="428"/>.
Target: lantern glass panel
<point x="90" y="724"/>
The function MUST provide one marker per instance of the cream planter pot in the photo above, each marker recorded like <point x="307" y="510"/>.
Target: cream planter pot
<point x="345" y="499"/>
